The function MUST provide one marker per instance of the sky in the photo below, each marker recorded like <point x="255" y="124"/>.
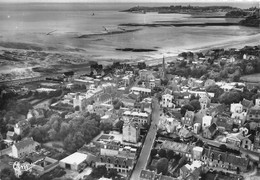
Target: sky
<point x="118" y="1"/>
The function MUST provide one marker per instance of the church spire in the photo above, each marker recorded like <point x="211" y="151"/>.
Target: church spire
<point x="163" y="69"/>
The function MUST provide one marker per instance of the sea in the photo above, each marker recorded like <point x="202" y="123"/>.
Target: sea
<point x="60" y="24"/>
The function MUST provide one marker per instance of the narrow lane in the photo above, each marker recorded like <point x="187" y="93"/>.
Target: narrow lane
<point x="147" y="146"/>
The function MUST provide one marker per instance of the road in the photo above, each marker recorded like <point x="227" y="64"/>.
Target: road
<point x="147" y="146"/>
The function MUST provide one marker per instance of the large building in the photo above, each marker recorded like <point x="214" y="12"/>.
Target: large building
<point x="141" y="90"/>
<point x="140" y="117"/>
<point x="131" y="132"/>
<point x="76" y="161"/>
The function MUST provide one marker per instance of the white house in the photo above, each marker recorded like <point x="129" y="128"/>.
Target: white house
<point x="206" y="122"/>
<point x="167" y="100"/>
<point x="131" y="132"/>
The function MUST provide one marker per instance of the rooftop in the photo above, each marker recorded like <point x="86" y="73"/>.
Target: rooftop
<point x="75" y="158"/>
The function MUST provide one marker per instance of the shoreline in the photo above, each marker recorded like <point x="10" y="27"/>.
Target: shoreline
<point x="159" y="24"/>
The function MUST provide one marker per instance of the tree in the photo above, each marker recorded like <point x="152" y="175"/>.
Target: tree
<point x="170" y="154"/>
<point x="215" y="89"/>
<point x="185" y="108"/>
<point x="141" y="65"/>
<point x="162" y="166"/>
<point x="64" y="130"/>
<point x="196" y="104"/>
<point x="99" y="171"/>
<point x="7" y="174"/>
<point x="119" y="125"/>
<point x="76" y="108"/>
<point x="106" y="126"/>
<point x="162" y="153"/>
<point x="153" y="152"/>
<point x="230" y="97"/>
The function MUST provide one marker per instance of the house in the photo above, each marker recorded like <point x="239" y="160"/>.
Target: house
<point x="210" y="132"/>
<point x="131" y="132"/>
<point x="77" y="160"/>
<point x="247" y="104"/>
<point x="206" y="122"/>
<point x="167" y="100"/>
<point x="185" y="134"/>
<point x="23" y="148"/>
<point x="188" y="118"/>
<point x="204" y="102"/>
<point x="216" y="158"/>
<point x="21" y="127"/>
<point x="240" y="140"/>
<point x="253" y="114"/>
<point x="197" y="152"/>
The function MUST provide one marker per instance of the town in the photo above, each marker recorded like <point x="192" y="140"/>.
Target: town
<point x="189" y="118"/>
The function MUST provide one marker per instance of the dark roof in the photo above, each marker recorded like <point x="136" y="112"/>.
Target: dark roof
<point x="225" y="122"/>
<point x="246" y="103"/>
<point x="212" y="127"/>
<point x="116" y="160"/>
<point x="254" y="111"/>
<point x="24" y="143"/>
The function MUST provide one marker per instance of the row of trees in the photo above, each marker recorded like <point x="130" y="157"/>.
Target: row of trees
<point x="74" y="133"/>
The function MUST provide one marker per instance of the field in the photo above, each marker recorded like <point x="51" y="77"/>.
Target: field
<point x="251" y="78"/>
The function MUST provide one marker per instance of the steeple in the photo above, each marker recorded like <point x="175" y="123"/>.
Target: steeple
<point x="163" y="75"/>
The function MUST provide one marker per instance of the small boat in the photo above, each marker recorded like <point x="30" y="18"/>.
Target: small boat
<point x="93" y="14"/>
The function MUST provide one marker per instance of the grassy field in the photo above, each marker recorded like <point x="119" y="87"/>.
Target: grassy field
<point x="251" y="78"/>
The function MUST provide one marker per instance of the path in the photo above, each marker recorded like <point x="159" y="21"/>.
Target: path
<point x="147" y="146"/>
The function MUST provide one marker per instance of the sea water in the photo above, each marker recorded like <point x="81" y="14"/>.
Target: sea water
<point x="65" y="22"/>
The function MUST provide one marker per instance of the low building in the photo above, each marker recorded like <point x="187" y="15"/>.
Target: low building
<point x="44" y="165"/>
<point x="122" y="165"/>
<point x="141" y="90"/>
<point x="24" y="147"/>
<point x="215" y="158"/>
<point x="179" y="148"/>
<point x="76" y="161"/>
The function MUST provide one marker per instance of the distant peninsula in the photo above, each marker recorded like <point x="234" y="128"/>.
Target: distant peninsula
<point x="181" y="9"/>
<point x="251" y="15"/>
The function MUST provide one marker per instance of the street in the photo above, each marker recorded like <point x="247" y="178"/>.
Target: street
<point x="147" y="146"/>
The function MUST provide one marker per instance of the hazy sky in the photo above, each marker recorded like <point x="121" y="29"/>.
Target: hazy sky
<point x="122" y="1"/>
